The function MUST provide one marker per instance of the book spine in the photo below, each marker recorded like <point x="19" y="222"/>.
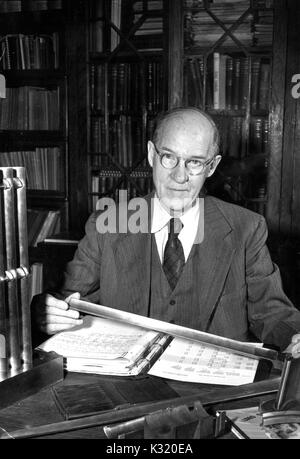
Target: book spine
<point x="236" y="83"/>
<point x="255" y="83"/>
<point x="194" y="91"/>
<point x="265" y="136"/>
<point x="264" y="85"/>
<point x="256" y="136"/>
<point x="244" y="82"/>
<point x="96" y="30"/>
<point x="216" y="84"/>
<point x="229" y="83"/>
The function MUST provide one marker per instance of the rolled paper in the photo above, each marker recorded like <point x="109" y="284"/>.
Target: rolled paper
<point x="171" y="329"/>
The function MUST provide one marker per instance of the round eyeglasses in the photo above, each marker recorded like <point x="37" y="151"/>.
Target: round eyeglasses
<point x="193" y="166"/>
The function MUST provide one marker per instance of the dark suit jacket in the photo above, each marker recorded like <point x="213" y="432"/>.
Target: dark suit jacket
<point x="239" y="288"/>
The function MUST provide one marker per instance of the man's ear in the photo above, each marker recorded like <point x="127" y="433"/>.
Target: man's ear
<point x="214" y="165"/>
<point x="150" y="152"/>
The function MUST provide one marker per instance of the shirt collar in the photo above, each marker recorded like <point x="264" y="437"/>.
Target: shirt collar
<point x="161" y="217"/>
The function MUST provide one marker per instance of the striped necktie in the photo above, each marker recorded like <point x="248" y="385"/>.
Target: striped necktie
<point x="173" y="255"/>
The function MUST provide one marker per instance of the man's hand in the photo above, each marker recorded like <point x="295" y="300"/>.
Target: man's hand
<point x="294" y="347"/>
<point x="52" y="315"/>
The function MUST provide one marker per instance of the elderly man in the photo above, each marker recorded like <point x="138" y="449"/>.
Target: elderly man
<point x="204" y="264"/>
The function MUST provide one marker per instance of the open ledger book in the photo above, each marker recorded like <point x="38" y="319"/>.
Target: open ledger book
<point x="107" y="347"/>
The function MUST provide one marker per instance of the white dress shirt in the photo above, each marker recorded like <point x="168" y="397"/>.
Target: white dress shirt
<point x="186" y="236"/>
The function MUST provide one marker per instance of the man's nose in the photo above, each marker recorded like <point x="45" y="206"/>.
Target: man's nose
<point x="180" y="174"/>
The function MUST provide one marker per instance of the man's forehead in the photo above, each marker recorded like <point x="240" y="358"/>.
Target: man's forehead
<point x="191" y="129"/>
<point x="189" y="122"/>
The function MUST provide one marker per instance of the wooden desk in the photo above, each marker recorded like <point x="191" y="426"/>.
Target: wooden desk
<point x="42" y="409"/>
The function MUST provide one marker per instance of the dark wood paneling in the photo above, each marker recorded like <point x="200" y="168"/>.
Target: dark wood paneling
<point x="175" y="56"/>
<point x="294" y="49"/>
<point x="290" y="148"/>
<point x="276" y="115"/>
<point x="76" y="37"/>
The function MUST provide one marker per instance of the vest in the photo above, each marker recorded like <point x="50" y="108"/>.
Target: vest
<point x="177" y="306"/>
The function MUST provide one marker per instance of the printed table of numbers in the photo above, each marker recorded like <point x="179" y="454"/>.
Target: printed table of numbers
<point x="191" y="361"/>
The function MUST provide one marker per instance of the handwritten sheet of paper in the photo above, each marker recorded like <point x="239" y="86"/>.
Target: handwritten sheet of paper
<point x="186" y="360"/>
<point x="101" y="339"/>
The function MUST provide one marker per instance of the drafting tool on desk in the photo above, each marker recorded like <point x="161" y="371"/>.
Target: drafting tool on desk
<point x="175" y="330"/>
<point x="286" y="407"/>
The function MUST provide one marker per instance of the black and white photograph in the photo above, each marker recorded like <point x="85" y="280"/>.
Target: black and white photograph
<point x="149" y="222"/>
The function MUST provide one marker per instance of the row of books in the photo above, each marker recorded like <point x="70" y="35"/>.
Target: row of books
<point x="30" y="108"/>
<point x="112" y="185"/>
<point x="202" y="30"/>
<point x="28" y="52"/>
<point x="227" y="82"/>
<point x="123" y="19"/>
<point x="231" y="82"/>
<point x="96" y="26"/>
<point x="151" y="5"/>
<point x="149" y="35"/>
<point x="200" y="3"/>
<point x="263" y="28"/>
<point x="130" y="87"/>
<point x="42" y="223"/>
<point x="10" y="6"/>
<point x="43" y="167"/>
<point x="259" y="136"/>
<point x="125" y="140"/>
<point x="234" y="142"/>
<point x="116" y="9"/>
<point x="151" y="26"/>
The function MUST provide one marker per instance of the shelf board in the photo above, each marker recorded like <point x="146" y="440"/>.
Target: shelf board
<point x="128" y="113"/>
<point x="135" y="173"/>
<point x="31" y="138"/>
<point x="155" y="54"/>
<point x="42" y="21"/>
<point x="226" y="112"/>
<point x="35" y="76"/>
<point x="253" y="51"/>
<point x="46" y="195"/>
<point x="264" y="200"/>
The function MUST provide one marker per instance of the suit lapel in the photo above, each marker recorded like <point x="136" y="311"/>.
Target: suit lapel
<point x="214" y="254"/>
<point x="132" y="253"/>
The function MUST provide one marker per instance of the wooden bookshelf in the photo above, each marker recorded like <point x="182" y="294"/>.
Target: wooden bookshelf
<point x="221" y="61"/>
<point x="133" y="55"/>
<point x="126" y="87"/>
<point x="33" y="116"/>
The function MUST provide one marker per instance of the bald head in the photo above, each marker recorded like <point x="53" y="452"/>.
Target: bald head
<point x="192" y="121"/>
<point x="182" y="154"/>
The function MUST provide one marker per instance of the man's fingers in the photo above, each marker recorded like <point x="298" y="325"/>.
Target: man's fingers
<point x="296" y="350"/>
<point x="74" y="295"/>
<point x="53" y="319"/>
<point x="296" y="338"/>
<point x="60" y="304"/>
<point x="70" y="313"/>
<point x="50" y="329"/>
